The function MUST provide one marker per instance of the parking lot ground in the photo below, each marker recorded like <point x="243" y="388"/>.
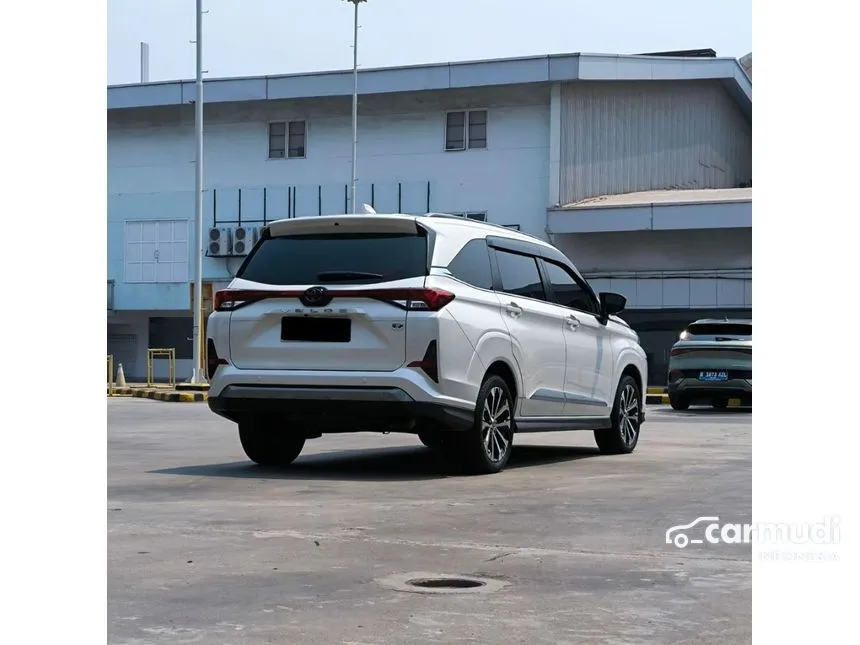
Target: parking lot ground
<point x="204" y="547"/>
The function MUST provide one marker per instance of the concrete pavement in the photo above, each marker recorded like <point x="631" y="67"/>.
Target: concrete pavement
<point x="204" y="547"/>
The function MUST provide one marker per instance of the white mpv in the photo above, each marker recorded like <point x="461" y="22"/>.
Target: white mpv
<point x="461" y="332"/>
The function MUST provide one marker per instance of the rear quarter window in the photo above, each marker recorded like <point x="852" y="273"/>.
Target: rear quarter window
<point x="343" y="259"/>
<point x="472" y="265"/>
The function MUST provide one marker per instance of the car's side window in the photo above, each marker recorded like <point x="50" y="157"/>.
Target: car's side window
<point x="567" y="290"/>
<point x="520" y="275"/>
<point x="472" y="265"/>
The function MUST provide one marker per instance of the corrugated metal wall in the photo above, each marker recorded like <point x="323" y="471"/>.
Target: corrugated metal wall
<point x="693" y="290"/>
<point x="633" y="136"/>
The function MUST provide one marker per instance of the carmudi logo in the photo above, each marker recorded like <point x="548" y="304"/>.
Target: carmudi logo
<point x="709" y="530"/>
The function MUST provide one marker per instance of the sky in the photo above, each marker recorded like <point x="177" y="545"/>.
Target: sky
<point x="267" y="37"/>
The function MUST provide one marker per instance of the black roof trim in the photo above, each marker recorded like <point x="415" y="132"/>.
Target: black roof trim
<point x="529" y="248"/>
<point x="685" y="53"/>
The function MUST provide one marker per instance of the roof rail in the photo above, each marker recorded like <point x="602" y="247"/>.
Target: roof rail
<point x="534" y="237"/>
<point x="446" y="215"/>
<point x="484" y="222"/>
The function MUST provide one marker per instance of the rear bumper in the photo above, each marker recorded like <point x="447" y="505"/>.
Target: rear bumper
<point x="319" y="409"/>
<point x="694" y="389"/>
<point x="412" y="381"/>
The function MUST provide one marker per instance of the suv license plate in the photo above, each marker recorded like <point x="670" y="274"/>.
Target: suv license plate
<point x="316" y="330"/>
<point x="713" y="376"/>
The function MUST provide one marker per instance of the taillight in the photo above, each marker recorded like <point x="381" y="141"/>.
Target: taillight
<point x="212" y="360"/>
<point x="410" y="299"/>
<point x="435" y="299"/>
<point x="430" y="363"/>
<point x="231" y="299"/>
<point x="678" y="351"/>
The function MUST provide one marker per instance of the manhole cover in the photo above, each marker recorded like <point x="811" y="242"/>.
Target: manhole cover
<point x="445" y="583"/>
<point x="422" y="582"/>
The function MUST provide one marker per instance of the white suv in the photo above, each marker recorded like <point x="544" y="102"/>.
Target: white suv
<point x="461" y="332"/>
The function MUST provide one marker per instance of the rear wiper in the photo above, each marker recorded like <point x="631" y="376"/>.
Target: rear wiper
<point x="335" y="276"/>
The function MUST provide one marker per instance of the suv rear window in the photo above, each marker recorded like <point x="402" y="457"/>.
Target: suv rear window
<point x="342" y="259"/>
<point x="719" y="329"/>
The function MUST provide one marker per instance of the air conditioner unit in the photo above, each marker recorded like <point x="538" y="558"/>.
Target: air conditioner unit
<point x="258" y="233"/>
<point x="220" y="242"/>
<point x="244" y="238"/>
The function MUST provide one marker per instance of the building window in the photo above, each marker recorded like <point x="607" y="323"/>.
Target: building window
<point x="297" y="140"/>
<point x="478" y="129"/>
<point x="287" y="139"/>
<point x="466" y="129"/>
<point x="455" y="131"/>
<point x="277" y="140"/>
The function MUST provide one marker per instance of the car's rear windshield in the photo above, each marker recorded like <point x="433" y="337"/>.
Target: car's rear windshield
<point x="337" y="259"/>
<point x="720" y="329"/>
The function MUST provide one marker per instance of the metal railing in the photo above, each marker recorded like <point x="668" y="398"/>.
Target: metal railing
<point x="163" y="353"/>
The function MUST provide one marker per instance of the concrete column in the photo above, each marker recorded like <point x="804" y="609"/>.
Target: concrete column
<point x="554" y="145"/>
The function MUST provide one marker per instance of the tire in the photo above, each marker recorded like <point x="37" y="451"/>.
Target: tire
<point x="622" y="437"/>
<point x="485" y="448"/>
<point x="267" y="445"/>
<point x="720" y="404"/>
<point x="678" y="403"/>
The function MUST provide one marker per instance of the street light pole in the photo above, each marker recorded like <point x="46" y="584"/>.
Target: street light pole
<point x="198" y="375"/>
<point x="353" y="191"/>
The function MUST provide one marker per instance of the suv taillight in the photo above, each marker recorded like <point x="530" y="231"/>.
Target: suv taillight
<point x="230" y="299"/>
<point x="411" y="299"/>
<point x="678" y="351"/>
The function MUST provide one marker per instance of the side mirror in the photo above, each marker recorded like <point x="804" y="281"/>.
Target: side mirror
<point x="612" y="303"/>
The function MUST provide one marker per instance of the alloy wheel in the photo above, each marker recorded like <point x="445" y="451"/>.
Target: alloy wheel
<point x="496" y="431"/>
<point x="628" y="415"/>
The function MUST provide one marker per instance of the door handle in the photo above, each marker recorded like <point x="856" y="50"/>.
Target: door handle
<point x="572" y="322"/>
<point x="514" y="309"/>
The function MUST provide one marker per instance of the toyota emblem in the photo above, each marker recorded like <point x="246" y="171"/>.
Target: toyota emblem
<point x="316" y="297"/>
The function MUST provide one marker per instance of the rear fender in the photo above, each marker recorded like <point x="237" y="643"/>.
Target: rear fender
<point x="634" y="356"/>
<point x="218" y="329"/>
<point x="494" y="347"/>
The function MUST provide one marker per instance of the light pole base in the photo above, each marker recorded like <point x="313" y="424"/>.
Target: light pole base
<point x="198" y="377"/>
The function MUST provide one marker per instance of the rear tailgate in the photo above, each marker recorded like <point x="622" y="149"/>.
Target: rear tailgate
<point x="327" y="294"/>
<point x="355" y="331"/>
<point x="688" y="359"/>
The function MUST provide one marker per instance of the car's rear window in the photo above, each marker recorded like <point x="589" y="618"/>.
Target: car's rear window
<point x="720" y="329"/>
<point x="337" y="259"/>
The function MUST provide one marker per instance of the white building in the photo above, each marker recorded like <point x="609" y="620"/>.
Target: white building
<point x="637" y="167"/>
